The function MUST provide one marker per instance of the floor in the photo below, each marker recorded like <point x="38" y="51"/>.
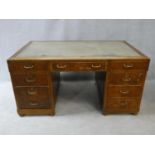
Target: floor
<point x="77" y="112"/>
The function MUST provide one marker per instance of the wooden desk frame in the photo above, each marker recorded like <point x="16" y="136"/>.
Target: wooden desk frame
<point x="36" y="81"/>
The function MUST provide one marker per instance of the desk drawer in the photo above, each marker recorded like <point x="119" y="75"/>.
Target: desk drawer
<point x="32" y="97"/>
<point x="79" y="66"/>
<point x="34" y="105"/>
<point x="27" y="66"/>
<point x="30" y="80"/>
<point x="124" y="91"/>
<point x="123" y="103"/>
<point x="128" y="65"/>
<point x="126" y="77"/>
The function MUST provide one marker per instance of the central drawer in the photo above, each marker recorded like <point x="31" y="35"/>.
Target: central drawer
<point x="124" y="91"/>
<point x="79" y="66"/>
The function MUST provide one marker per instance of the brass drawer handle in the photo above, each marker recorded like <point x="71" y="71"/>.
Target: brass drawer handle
<point x="124" y="103"/>
<point x="29" y="80"/>
<point x="34" y="104"/>
<point x="128" y="65"/>
<point x="28" y="67"/>
<point x="61" y="66"/>
<point x="124" y="92"/>
<point x="96" y="66"/>
<point x="126" y="79"/>
<point x="32" y="92"/>
<point x="140" y="77"/>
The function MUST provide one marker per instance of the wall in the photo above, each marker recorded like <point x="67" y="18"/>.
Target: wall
<point x="15" y="33"/>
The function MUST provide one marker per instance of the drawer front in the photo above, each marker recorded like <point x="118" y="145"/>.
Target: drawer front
<point x="126" y="77"/>
<point x="128" y="65"/>
<point x="32" y="97"/>
<point x="34" y="105"/>
<point x="30" y="80"/>
<point x="124" y="91"/>
<point x="123" y="103"/>
<point x="79" y="66"/>
<point x="27" y="66"/>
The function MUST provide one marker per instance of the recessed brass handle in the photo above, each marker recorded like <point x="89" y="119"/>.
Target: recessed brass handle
<point x="140" y="77"/>
<point x="29" y="80"/>
<point x="61" y="66"/>
<point x="96" y="66"/>
<point x="124" y="92"/>
<point x="124" y="103"/>
<point x="33" y="104"/>
<point x="32" y="92"/>
<point x="126" y="79"/>
<point x="128" y="65"/>
<point x="28" y="66"/>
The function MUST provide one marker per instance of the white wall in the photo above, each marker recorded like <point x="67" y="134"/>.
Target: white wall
<point x="15" y="33"/>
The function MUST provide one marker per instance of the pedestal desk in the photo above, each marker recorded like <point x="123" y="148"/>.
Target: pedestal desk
<point x="120" y="71"/>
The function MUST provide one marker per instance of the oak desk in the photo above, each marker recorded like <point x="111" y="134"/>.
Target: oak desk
<point x="120" y="71"/>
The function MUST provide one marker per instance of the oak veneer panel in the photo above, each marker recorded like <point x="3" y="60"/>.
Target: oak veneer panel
<point x="37" y="111"/>
<point x="127" y="77"/>
<point x="22" y="67"/>
<point x="30" y="80"/>
<point x="79" y="66"/>
<point x="32" y="93"/>
<point x="123" y="103"/>
<point x="128" y="65"/>
<point x="124" y="91"/>
<point x="35" y="105"/>
<point x="122" y="106"/>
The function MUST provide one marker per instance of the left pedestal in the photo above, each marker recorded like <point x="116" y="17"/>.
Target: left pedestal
<point x="33" y="86"/>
